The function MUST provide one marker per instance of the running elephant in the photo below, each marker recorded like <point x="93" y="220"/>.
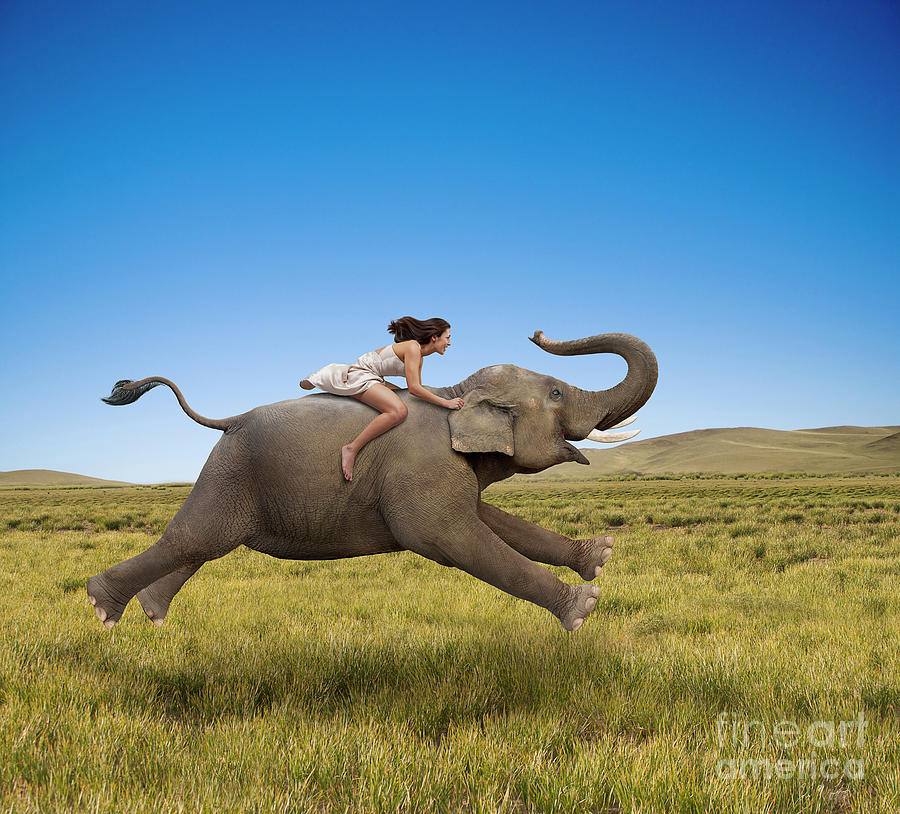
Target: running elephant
<point x="272" y="483"/>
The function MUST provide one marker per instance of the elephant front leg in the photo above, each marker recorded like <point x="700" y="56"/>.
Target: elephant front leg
<point x="585" y="557"/>
<point x="470" y="545"/>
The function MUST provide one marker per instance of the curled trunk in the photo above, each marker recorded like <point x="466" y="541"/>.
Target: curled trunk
<point x="601" y="409"/>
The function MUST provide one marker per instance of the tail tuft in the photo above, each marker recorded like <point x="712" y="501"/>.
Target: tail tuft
<point x="123" y="395"/>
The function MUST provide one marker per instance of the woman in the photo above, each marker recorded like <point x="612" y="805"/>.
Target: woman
<point x="364" y="379"/>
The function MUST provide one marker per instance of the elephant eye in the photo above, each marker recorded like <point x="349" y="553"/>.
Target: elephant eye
<point x="554" y="393"/>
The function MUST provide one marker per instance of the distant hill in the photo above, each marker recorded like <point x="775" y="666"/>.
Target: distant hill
<point x="743" y="449"/>
<point x="50" y="477"/>
<point x="738" y="449"/>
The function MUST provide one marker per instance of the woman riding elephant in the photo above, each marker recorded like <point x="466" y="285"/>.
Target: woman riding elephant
<point x="270" y="482"/>
<point x="364" y="379"/>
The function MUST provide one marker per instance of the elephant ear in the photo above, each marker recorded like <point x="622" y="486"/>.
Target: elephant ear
<point x="482" y="425"/>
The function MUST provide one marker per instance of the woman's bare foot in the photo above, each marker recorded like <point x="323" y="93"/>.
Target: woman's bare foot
<point x="348" y="456"/>
<point x="306" y="384"/>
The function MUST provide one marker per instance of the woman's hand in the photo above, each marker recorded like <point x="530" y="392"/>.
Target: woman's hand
<point x="453" y="404"/>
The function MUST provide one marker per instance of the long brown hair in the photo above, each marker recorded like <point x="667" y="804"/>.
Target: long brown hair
<point x="419" y="329"/>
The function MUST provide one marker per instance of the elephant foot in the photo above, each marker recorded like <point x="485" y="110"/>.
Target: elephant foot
<point x="593" y="555"/>
<point x="155" y="607"/>
<point x="582" y="602"/>
<point x="108" y="608"/>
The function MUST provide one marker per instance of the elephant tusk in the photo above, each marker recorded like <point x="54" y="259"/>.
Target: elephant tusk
<point x="624" y="423"/>
<point x="611" y="437"/>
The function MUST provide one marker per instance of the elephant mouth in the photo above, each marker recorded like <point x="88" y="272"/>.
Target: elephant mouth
<point x="575" y="454"/>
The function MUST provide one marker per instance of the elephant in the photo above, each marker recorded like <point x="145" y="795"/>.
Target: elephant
<point x="272" y="483"/>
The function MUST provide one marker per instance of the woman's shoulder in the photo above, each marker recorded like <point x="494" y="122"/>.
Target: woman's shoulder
<point x="406" y="347"/>
<point x="402" y="348"/>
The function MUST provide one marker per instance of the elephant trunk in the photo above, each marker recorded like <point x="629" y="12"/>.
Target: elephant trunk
<point x="601" y="409"/>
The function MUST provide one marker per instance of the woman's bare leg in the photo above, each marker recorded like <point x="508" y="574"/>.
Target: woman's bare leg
<point x="393" y="412"/>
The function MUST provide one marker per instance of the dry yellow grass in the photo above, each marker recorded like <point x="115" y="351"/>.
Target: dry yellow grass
<point x="389" y="683"/>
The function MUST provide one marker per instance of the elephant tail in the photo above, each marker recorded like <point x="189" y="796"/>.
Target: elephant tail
<point x="126" y="391"/>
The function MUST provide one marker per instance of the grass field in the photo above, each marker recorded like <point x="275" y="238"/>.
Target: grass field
<point x="742" y="620"/>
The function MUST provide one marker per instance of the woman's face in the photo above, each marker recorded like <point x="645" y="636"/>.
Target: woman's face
<point x="442" y="342"/>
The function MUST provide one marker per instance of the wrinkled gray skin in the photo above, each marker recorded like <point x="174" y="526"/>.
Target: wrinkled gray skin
<point x="273" y="483"/>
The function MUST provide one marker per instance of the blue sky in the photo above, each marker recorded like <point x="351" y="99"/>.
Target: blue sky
<point x="232" y="195"/>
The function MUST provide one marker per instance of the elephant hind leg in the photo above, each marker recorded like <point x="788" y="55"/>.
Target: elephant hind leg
<point x="179" y="547"/>
<point x="156" y="597"/>
<point x="109" y="603"/>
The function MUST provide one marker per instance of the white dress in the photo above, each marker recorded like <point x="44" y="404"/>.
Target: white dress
<point x="369" y="369"/>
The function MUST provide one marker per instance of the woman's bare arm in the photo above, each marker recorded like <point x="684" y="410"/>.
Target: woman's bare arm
<point x="412" y="361"/>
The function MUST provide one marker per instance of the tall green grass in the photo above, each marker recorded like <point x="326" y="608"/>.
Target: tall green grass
<point x="392" y="684"/>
